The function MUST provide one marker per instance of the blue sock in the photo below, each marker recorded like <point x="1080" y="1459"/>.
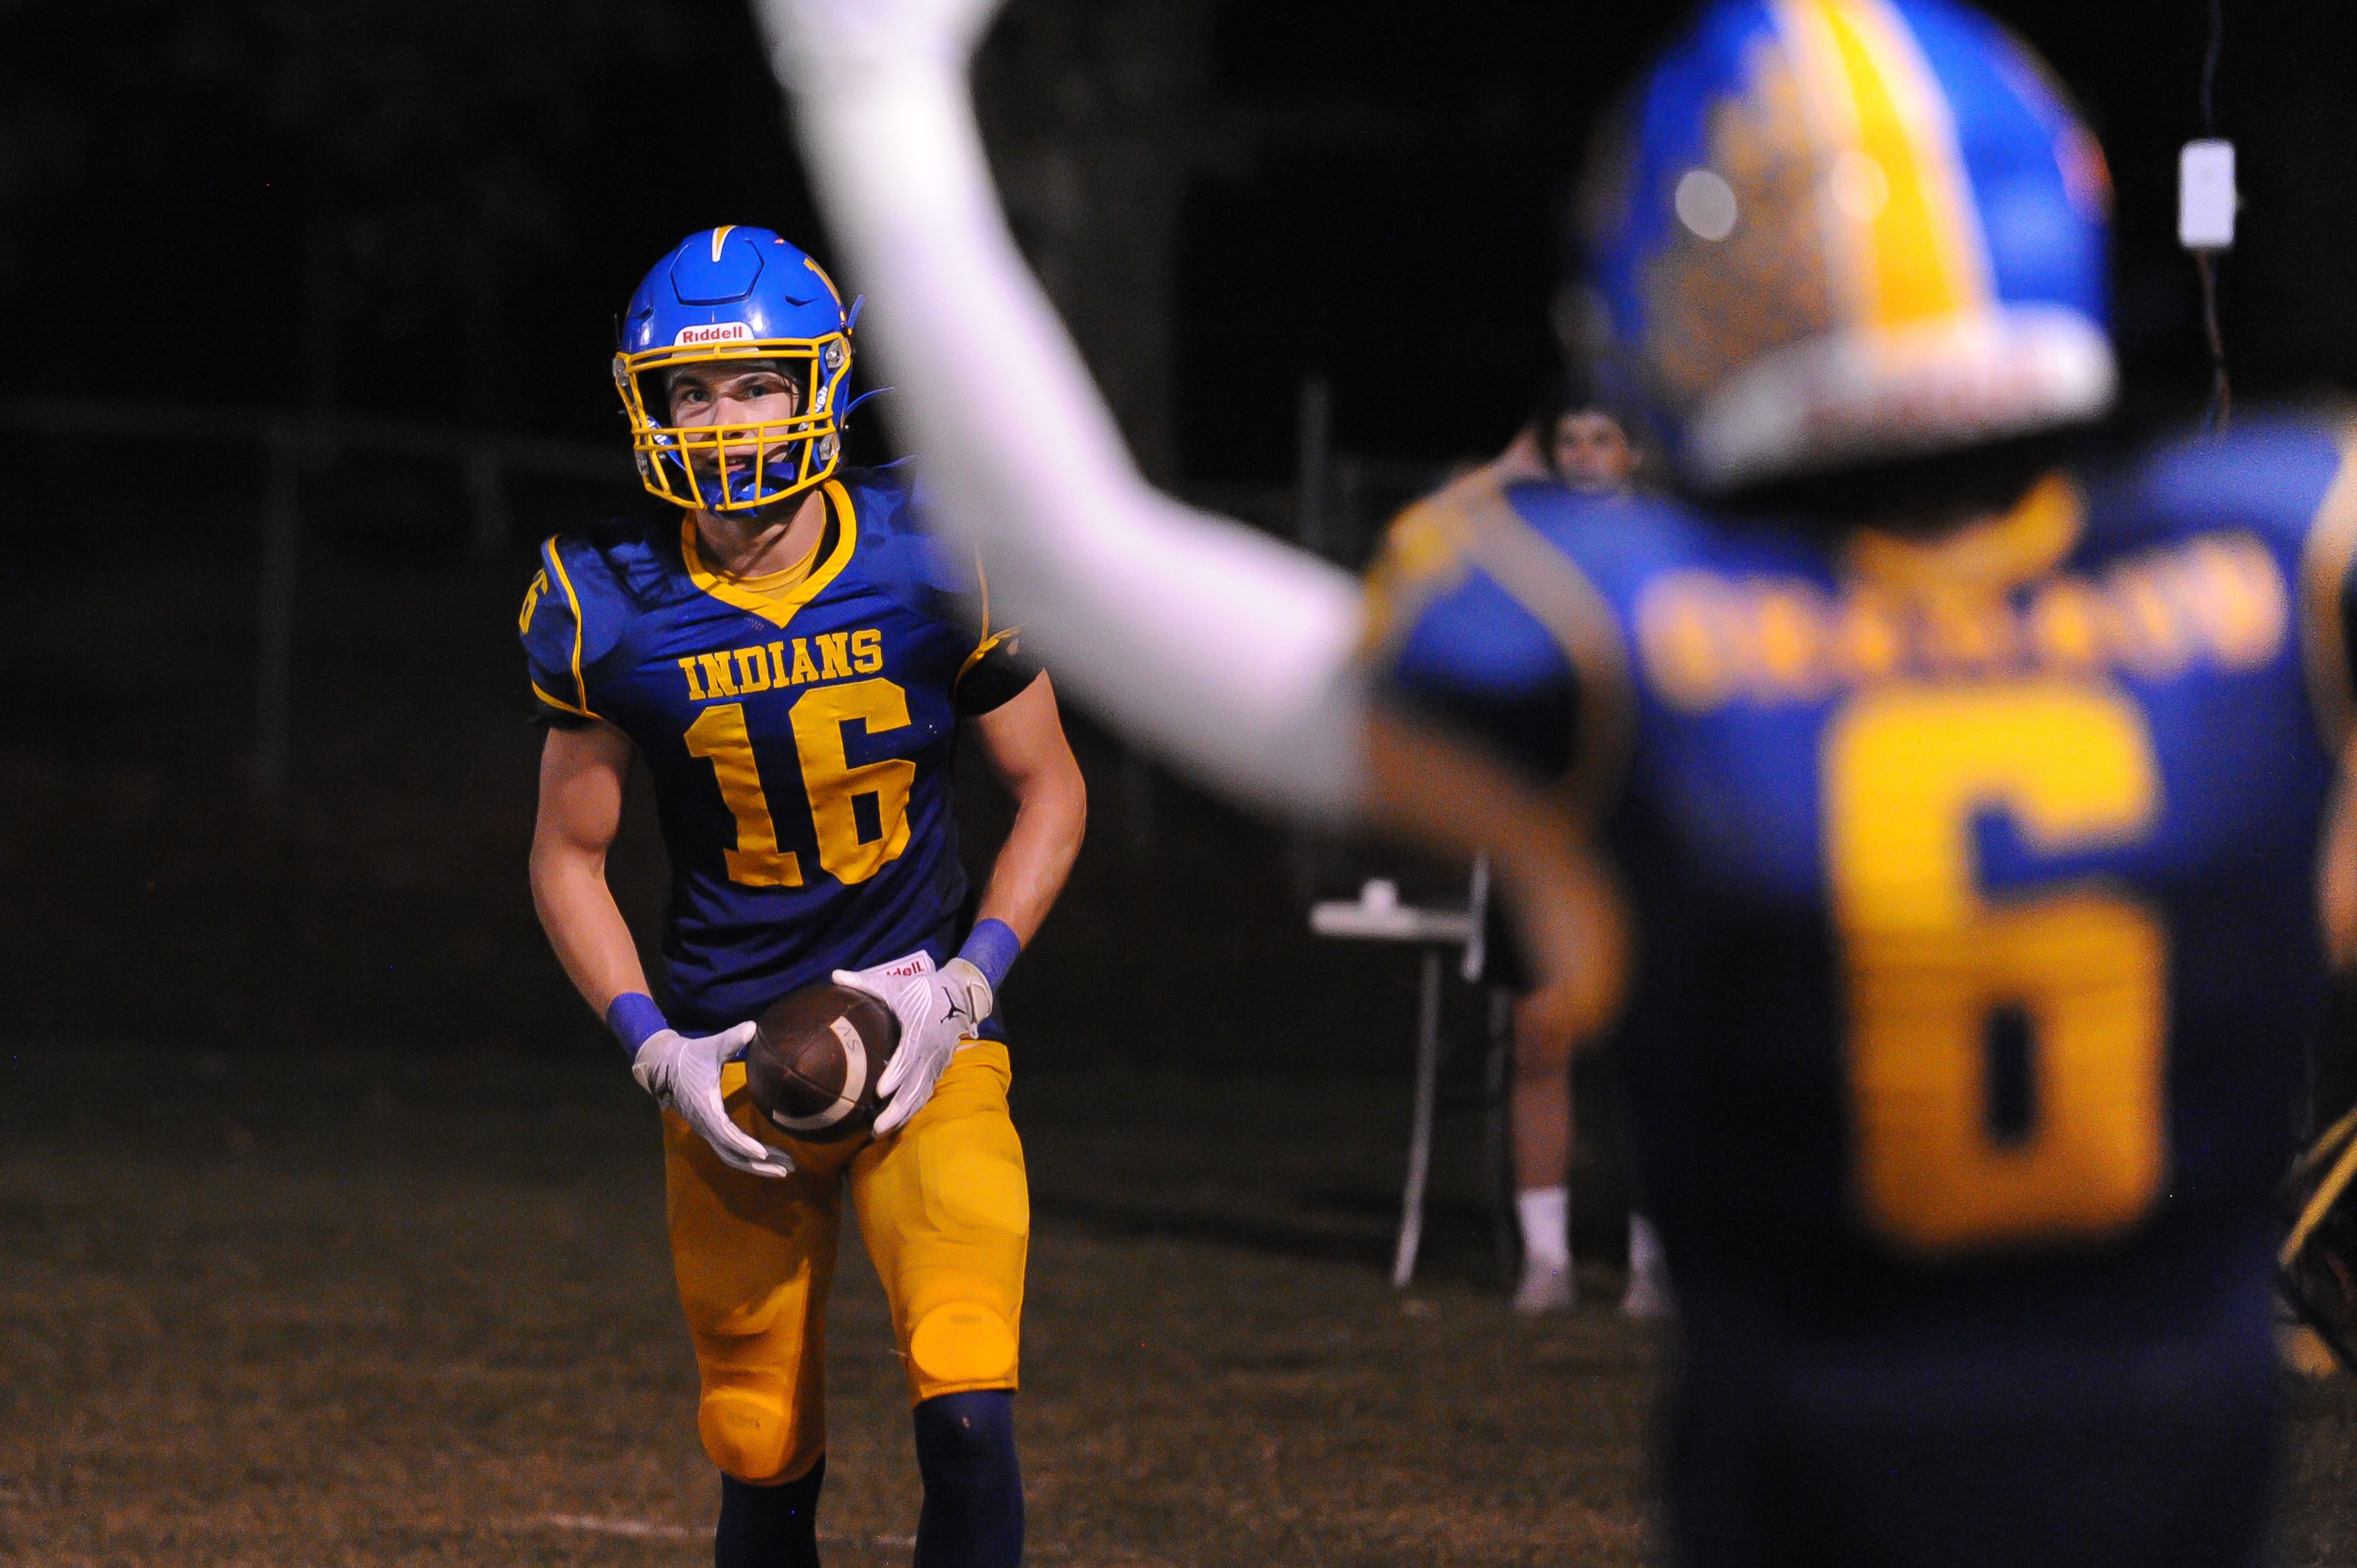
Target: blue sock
<point x="768" y="1526"/>
<point x="973" y="1487"/>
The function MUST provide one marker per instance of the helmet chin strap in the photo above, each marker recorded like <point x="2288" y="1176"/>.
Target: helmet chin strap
<point x="716" y="493"/>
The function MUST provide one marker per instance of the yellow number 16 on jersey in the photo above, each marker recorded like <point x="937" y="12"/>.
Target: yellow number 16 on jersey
<point x="835" y="789"/>
<point x="1931" y="965"/>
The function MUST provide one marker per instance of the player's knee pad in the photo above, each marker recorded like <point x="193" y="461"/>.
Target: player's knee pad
<point x="962" y="1344"/>
<point x="749" y="1434"/>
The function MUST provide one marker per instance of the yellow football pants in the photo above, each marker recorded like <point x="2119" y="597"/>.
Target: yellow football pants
<point x="945" y="1211"/>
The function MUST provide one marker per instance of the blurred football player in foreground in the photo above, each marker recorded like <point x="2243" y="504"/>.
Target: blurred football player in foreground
<point x="1967" y="801"/>
<point x="790" y="657"/>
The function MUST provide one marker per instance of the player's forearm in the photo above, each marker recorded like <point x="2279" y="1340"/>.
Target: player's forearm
<point x="2337" y="869"/>
<point x="1051" y="818"/>
<point x="1228" y="651"/>
<point x="584" y="925"/>
<point x="1447" y="796"/>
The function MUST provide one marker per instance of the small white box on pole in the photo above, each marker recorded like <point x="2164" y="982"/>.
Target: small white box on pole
<point x="2206" y="197"/>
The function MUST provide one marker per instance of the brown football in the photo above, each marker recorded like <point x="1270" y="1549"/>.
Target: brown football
<point x="815" y="1056"/>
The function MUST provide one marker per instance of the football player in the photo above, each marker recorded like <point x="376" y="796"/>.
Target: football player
<point x="795" y="662"/>
<point x="1968" y="788"/>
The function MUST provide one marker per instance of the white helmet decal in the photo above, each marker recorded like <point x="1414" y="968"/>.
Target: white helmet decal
<point x="718" y="332"/>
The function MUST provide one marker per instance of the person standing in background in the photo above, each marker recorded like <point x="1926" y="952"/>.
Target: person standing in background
<point x="1573" y="439"/>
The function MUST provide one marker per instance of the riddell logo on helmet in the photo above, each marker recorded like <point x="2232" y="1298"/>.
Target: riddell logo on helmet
<point x="719" y="332"/>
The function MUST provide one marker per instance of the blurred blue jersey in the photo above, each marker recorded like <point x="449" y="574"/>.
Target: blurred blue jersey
<point x="799" y="733"/>
<point x="1976" y="900"/>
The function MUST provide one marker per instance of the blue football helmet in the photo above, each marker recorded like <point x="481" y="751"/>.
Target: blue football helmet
<point x="1827" y="232"/>
<point x="735" y="293"/>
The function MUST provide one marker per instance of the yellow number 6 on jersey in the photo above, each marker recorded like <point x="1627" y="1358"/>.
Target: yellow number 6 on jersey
<point x="837" y="788"/>
<point x="1931" y="964"/>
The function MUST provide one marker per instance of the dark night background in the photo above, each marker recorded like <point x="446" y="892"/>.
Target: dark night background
<point x="1367" y="193"/>
<point x="330" y="1226"/>
<point x="429" y="211"/>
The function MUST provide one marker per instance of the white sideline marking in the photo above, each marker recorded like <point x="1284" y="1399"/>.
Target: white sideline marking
<point x="647" y="1529"/>
<point x="643" y="1529"/>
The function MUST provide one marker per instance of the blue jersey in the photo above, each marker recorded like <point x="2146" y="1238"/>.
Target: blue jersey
<point x="799" y="733"/>
<point x="1973" y="884"/>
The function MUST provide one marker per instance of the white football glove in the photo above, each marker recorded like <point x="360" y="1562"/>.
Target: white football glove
<point x="813" y="42"/>
<point x="939" y="1009"/>
<point x="683" y="1073"/>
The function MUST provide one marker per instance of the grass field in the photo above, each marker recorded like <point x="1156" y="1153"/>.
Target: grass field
<point x="356" y="1310"/>
<point x="330" y="1313"/>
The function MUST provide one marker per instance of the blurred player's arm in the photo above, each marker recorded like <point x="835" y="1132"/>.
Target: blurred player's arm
<point x="1492" y="726"/>
<point x="2328" y="579"/>
<point x="1023" y="742"/>
<point x="2317" y="1267"/>
<point x="1213" y="644"/>
<point x="582" y="770"/>
<point x="1217" y="646"/>
<point x="2338" y="872"/>
<point x="1437" y="789"/>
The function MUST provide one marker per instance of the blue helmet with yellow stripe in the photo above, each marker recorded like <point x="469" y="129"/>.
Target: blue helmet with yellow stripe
<point x="1829" y="233"/>
<point x="735" y="293"/>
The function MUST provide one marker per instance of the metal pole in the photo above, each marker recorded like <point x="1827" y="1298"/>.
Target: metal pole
<point x="275" y="672"/>
<point x="1313" y="460"/>
<point x="1340" y="524"/>
<point x="1419" y="1148"/>
<point x="1497" y="1136"/>
<point x="1313" y="456"/>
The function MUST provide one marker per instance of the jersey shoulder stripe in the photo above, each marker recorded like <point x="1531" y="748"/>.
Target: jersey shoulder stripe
<point x="1530" y="547"/>
<point x="591" y="588"/>
<point x="566" y="638"/>
<point x="1479" y="601"/>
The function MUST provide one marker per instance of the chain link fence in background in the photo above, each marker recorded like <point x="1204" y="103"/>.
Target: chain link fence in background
<point x="268" y="777"/>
